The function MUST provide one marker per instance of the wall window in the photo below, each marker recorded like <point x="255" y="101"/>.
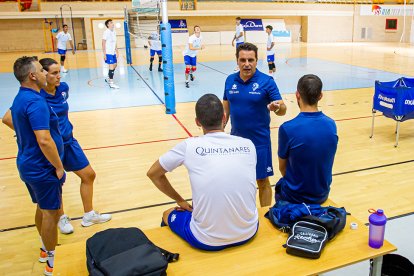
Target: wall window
<point x="391" y="24"/>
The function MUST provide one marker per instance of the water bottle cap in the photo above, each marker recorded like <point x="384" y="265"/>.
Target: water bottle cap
<point x="378" y="218"/>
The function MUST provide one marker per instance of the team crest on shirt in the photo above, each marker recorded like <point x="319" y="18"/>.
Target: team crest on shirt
<point x="64" y="95"/>
<point x="269" y="169"/>
<point x="173" y="217"/>
<point x="255" y="86"/>
<point x="234" y="87"/>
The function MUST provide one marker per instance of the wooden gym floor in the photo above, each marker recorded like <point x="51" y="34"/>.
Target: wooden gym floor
<point x="122" y="142"/>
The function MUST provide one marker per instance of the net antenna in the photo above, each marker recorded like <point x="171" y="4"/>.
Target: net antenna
<point x="148" y="19"/>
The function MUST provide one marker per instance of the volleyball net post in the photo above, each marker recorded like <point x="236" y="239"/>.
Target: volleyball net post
<point x="142" y="22"/>
<point x="127" y="38"/>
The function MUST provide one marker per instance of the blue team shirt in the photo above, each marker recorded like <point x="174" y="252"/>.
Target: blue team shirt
<point x="59" y="104"/>
<point x="309" y="143"/>
<point x="248" y="101"/>
<point x="31" y="112"/>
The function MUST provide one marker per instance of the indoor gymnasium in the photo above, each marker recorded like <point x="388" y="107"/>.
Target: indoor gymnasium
<point x="149" y="88"/>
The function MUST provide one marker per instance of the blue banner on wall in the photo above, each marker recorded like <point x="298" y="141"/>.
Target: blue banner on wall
<point x="178" y="25"/>
<point x="252" y="24"/>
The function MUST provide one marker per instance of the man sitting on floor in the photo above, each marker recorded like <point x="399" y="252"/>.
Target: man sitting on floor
<point x="307" y="147"/>
<point x="222" y="170"/>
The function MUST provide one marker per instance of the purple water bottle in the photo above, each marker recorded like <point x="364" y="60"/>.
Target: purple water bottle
<point x="377" y="223"/>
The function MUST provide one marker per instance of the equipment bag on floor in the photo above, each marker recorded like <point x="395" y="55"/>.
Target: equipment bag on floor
<point x="306" y="239"/>
<point x="125" y="252"/>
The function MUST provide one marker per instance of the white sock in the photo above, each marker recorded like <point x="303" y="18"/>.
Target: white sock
<point x="89" y="214"/>
<point x="51" y="258"/>
<point x="43" y="245"/>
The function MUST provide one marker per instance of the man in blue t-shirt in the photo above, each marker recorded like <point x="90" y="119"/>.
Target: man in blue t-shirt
<point x="40" y="151"/>
<point x="249" y="96"/>
<point x="307" y="147"/>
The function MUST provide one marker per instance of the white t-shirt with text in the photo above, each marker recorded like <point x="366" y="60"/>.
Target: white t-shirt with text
<point x="222" y="171"/>
<point x="110" y="41"/>
<point x="196" y="42"/>
<point x="270" y="40"/>
<point x="155" y="42"/>
<point x="239" y="29"/>
<point x="62" y="40"/>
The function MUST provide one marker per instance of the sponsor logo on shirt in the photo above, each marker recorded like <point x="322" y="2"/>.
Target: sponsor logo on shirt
<point x="269" y="169"/>
<point x="203" y="151"/>
<point x="255" y="86"/>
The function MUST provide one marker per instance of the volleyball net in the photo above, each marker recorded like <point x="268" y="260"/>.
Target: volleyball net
<point x="148" y="20"/>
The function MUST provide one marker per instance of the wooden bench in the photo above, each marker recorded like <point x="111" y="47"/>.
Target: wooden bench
<point x="262" y="255"/>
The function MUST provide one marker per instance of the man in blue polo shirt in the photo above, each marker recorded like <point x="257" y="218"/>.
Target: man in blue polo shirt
<point x="307" y="147"/>
<point x="249" y="96"/>
<point x="40" y="151"/>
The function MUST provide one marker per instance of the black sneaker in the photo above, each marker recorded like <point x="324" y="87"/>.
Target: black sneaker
<point x="159" y="69"/>
<point x="191" y="77"/>
<point x="187" y="85"/>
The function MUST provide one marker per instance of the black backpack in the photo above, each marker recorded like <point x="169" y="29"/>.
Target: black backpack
<point x="125" y="252"/>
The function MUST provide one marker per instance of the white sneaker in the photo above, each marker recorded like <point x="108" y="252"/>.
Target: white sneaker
<point x="236" y="69"/>
<point x="64" y="70"/>
<point x="95" y="218"/>
<point x="64" y="225"/>
<point x="113" y="85"/>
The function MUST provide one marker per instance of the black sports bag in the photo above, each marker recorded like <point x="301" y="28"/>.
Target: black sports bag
<point x="306" y="239"/>
<point x="125" y="252"/>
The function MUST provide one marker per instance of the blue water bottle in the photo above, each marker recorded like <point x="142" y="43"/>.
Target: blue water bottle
<point x="377" y="221"/>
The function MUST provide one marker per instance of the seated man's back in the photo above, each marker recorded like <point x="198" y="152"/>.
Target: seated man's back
<point x="222" y="171"/>
<point x="221" y="168"/>
<point x="307" y="147"/>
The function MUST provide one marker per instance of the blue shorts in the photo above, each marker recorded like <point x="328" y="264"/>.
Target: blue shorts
<point x="61" y="52"/>
<point x="264" y="166"/>
<point x="74" y="158"/>
<point x="111" y="59"/>
<point x="152" y="52"/>
<point x="47" y="194"/>
<point x="179" y="223"/>
<point x="238" y="44"/>
<point x="192" y="61"/>
<point x="271" y="58"/>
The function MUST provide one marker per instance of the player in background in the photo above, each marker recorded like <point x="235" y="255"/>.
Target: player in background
<point x="62" y="38"/>
<point x="190" y="54"/>
<point x="155" y="48"/>
<point x="270" y="46"/>
<point x="110" y="51"/>
<point x="238" y="36"/>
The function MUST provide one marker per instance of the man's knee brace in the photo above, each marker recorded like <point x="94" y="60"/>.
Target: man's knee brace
<point x="111" y="74"/>
<point x="271" y="65"/>
<point x="62" y="58"/>
<point x="187" y="70"/>
<point x="193" y="69"/>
